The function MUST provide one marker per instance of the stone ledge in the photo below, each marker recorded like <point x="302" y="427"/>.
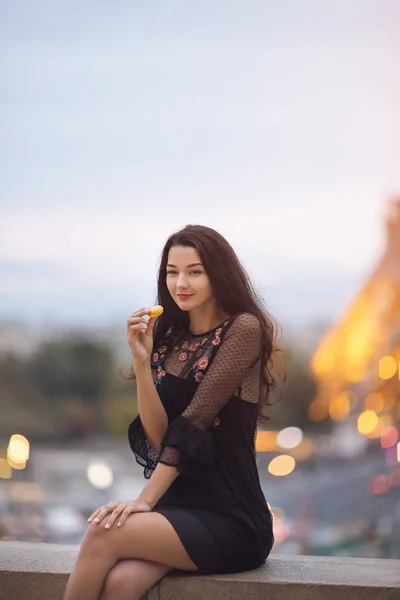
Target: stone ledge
<point x="40" y="572"/>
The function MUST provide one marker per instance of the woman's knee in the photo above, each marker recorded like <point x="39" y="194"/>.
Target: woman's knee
<point x="93" y="540"/>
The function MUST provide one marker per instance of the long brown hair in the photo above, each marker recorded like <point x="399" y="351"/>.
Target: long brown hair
<point x="233" y="290"/>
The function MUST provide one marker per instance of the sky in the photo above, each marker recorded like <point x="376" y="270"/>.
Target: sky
<point x="275" y="123"/>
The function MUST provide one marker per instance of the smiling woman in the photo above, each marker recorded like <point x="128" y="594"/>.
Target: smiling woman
<point x="203" y="374"/>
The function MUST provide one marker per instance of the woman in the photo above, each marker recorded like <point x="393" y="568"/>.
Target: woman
<point x="203" y="379"/>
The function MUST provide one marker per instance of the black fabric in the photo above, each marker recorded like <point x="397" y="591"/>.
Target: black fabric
<point x="210" y="386"/>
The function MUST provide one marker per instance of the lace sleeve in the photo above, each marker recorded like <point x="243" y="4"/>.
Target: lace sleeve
<point x="187" y="443"/>
<point x="144" y="453"/>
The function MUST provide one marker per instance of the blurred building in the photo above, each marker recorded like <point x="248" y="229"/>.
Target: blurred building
<point x="357" y="361"/>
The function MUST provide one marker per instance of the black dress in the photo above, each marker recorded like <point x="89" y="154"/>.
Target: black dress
<point x="210" y="385"/>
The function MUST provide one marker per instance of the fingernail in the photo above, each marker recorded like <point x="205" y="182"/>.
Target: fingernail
<point x="118" y="524"/>
<point x="107" y="526"/>
<point x="89" y="519"/>
<point x="97" y="520"/>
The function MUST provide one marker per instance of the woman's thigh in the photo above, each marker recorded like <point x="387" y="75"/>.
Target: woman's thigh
<point x="147" y="536"/>
<point x="132" y="578"/>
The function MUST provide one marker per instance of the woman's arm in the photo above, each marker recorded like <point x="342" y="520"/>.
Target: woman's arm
<point x="152" y="413"/>
<point x="159" y="482"/>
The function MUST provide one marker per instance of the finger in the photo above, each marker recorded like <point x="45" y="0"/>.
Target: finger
<point x="124" y="515"/>
<point x="141" y="312"/>
<point x="94" y="514"/>
<point x="134" y="320"/>
<point x="137" y="327"/>
<point x="101" y="515"/>
<point x="115" y="513"/>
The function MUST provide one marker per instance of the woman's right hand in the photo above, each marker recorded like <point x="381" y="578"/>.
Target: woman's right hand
<point x="140" y="336"/>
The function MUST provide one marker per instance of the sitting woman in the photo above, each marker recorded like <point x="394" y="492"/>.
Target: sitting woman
<point x="203" y="376"/>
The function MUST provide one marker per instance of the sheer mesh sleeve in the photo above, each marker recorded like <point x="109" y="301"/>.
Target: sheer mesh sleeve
<point x="187" y="443"/>
<point x="145" y="455"/>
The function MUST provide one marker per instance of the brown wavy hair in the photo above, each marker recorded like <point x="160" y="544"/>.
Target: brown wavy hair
<point x="234" y="293"/>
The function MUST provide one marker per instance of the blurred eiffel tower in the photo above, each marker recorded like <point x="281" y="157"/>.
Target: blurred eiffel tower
<point x="348" y="363"/>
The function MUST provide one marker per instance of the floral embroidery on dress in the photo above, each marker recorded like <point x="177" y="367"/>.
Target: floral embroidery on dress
<point x="198" y="376"/>
<point x="185" y="345"/>
<point x="216" y="421"/>
<point x="203" y="362"/>
<point x="160" y="374"/>
<point x="203" y="341"/>
<point x="194" y="346"/>
<point x="158" y="358"/>
<point x="183" y="356"/>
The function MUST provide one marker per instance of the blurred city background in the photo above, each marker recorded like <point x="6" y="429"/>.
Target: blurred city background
<point x="275" y="123"/>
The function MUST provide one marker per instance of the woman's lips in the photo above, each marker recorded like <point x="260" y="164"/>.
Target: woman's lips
<point x="184" y="296"/>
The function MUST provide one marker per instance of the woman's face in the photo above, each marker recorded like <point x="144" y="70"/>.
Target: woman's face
<point x="186" y="275"/>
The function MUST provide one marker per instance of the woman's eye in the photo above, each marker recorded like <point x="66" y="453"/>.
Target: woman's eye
<point x="174" y="272"/>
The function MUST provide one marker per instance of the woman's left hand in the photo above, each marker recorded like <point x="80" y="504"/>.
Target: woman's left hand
<point x="118" y="511"/>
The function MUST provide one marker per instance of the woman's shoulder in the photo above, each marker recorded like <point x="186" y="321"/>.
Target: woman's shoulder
<point x="244" y="322"/>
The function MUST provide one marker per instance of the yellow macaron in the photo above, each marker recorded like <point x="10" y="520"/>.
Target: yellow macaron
<point x="156" y="311"/>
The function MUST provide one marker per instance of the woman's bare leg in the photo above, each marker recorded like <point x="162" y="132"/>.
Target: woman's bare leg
<point x="147" y="536"/>
<point x="131" y="578"/>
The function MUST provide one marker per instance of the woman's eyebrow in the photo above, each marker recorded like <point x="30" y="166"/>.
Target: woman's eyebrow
<point x="192" y="265"/>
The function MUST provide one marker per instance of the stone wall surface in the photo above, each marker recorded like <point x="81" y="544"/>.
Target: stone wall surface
<point x="40" y="571"/>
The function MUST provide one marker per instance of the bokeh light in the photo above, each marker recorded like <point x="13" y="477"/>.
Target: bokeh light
<point x="100" y="475"/>
<point x="367" y="422"/>
<point x="266" y="441"/>
<point x="339" y="407"/>
<point x="5" y="469"/>
<point x="282" y="465"/>
<point x="389" y="437"/>
<point x="290" y="437"/>
<point x="18" y="448"/>
<point x="387" y="367"/>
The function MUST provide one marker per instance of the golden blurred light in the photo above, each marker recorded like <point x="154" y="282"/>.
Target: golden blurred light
<point x="282" y="465"/>
<point x="18" y="448"/>
<point x="378" y="430"/>
<point x="100" y="475"/>
<point x="375" y="402"/>
<point x="339" y="407"/>
<point x="5" y="469"/>
<point x="290" y="437"/>
<point x="398" y="451"/>
<point x="266" y="441"/>
<point x="15" y="464"/>
<point x="387" y="367"/>
<point x="389" y="437"/>
<point x="367" y="422"/>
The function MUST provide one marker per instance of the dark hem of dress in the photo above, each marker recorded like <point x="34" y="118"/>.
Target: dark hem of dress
<point x="208" y="553"/>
